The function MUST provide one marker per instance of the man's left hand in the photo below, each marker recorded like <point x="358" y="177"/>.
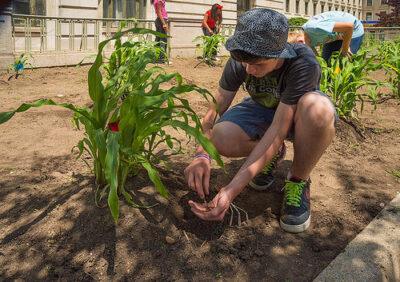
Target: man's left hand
<point x="214" y="210"/>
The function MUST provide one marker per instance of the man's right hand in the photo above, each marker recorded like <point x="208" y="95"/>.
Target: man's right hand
<point x="197" y="175"/>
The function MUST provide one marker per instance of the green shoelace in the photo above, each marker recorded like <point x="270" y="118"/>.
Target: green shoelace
<point x="271" y="165"/>
<point x="293" y="191"/>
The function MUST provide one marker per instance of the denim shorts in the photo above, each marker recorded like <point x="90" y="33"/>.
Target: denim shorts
<point x="334" y="46"/>
<point x="254" y="119"/>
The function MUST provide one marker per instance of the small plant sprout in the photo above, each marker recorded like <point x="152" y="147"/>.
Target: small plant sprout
<point x="209" y="47"/>
<point x="19" y="65"/>
<point x="395" y="173"/>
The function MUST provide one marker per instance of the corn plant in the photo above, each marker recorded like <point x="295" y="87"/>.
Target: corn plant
<point x="18" y="66"/>
<point x="132" y="106"/>
<point x="389" y="54"/>
<point x="209" y="47"/>
<point x="343" y="78"/>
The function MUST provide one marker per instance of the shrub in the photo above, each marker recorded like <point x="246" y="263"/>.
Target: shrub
<point x="297" y="21"/>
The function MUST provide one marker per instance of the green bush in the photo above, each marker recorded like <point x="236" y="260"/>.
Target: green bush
<point x="297" y="21"/>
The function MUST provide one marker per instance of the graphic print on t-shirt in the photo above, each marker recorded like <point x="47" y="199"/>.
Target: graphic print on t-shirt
<point x="263" y="90"/>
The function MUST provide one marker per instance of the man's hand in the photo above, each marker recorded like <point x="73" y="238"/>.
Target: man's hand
<point x="197" y="175"/>
<point x="347" y="53"/>
<point x="214" y="210"/>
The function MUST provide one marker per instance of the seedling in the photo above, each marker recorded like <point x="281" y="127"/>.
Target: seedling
<point x="19" y="66"/>
<point x="209" y="48"/>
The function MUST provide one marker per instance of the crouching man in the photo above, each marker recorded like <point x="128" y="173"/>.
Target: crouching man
<point x="282" y="80"/>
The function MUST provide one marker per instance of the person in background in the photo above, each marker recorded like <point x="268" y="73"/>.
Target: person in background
<point x="336" y="31"/>
<point x="161" y="23"/>
<point x="212" y="20"/>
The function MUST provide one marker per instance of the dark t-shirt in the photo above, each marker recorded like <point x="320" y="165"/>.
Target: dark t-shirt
<point x="287" y="84"/>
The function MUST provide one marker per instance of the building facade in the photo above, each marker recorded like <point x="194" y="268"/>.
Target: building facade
<point x="373" y="7"/>
<point x="60" y="25"/>
<point x="190" y="9"/>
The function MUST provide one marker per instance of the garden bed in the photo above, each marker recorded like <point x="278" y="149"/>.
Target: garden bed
<point x="52" y="229"/>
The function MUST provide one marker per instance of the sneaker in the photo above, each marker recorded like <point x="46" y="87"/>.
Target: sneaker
<point x="265" y="178"/>
<point x="296" y="213"/>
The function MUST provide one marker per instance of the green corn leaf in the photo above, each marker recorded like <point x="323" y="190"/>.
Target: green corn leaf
<point x="204" y="142"/>
<point x="154" y="177"/>
<point x="5" y="116"/>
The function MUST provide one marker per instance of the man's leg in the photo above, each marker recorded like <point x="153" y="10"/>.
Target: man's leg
<point x="237" y="133"/>
<point x="355" y="44"/>
<point x="329" y="48"/>
<point x="231" y="140"/>
<point x="314" y="131"/>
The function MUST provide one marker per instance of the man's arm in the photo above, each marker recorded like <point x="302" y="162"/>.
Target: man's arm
<point x="223" y="100"/>
<point x="347" y="30"/>
<point x="265" y="150"/>
<point x="197" y="173"/>
<point x="261" y="154"/>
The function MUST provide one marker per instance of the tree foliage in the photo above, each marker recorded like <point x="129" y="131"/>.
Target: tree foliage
<point x="392" y="18"/>
<point x="297" y="21"/>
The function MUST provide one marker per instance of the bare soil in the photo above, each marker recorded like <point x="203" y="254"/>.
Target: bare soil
<point x="51" y="228"/>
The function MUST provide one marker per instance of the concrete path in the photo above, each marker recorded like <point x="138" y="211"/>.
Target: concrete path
<point x="374" y="254"/>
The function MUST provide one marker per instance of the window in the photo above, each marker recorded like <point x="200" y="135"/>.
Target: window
<point x="122" y="9"/>
<point x="368" y="16"/>
<point x="384" y="2"/>
<point x="314" y="8"/>
<point x="348" y="11"/>
<point x="244" y="5"/>
<point x="330" y="7"/>
<point x="342" y="9"/>
<point x="369" y="2"/>
<point x="297" y="6"/>
<point x="29" y="7"/>
<point x="322" y="7"/>
<point x="306" y="8"/>
<point x="287" y="5"/>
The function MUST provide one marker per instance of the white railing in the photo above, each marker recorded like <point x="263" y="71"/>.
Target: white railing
<point x="57" y="34"/>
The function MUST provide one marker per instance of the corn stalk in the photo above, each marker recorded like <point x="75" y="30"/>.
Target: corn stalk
<point x="209" y="47"/>
<point x="343" y="78"/>
<point x="389" y="54"/>
<point x="132" y="106"/>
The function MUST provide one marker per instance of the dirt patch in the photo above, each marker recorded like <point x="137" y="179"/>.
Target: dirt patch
<point x="51" y="228"/>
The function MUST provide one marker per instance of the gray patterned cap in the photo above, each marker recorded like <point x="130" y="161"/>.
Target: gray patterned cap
<point x="262" y="32"/>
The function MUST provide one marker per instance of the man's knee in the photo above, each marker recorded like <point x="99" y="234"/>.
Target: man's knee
<point x="316" y="109"/>
<point x="226" y="137"/>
